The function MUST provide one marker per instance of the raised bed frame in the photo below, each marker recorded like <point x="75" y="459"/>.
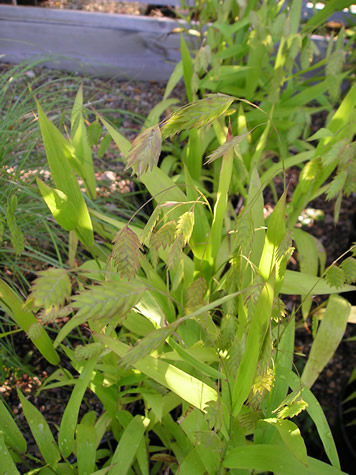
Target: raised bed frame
<point x="122" y="46"/>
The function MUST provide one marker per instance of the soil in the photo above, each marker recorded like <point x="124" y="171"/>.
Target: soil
<point x="139" y="98"/>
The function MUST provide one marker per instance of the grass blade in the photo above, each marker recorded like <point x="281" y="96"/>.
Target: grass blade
<point x="187" y="68"/>
<point x="13" y="304"/>
<point x="330" y="333"/>
<point x="70" y="416"/>
<point x="59" y="155"/>
<point x="41" y="432"/>
<point x="62" y="209"/>
<point x="79" y="138"/>
<point x="187" y="387"/>
<point x="12" y="435"/>
<point x="299" y="283"/>
<point x="273" y="458"/>
<point x="7" y="464"/>
<point x="247" y="369"/>
<point x="86" y="447"/>
<point x="316" y="413"/>
<point x="128" y="445"/>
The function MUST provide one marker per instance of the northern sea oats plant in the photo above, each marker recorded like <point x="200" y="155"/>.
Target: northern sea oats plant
<point x="191" y="353"/>
<point x="191" y="347"/>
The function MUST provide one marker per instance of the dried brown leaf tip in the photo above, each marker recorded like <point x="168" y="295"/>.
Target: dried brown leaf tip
<point x="145" y="151"/>
<point x="126" y="253"/>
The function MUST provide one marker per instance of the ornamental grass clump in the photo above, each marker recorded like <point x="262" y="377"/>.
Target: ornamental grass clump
<point x="185" y="312"/>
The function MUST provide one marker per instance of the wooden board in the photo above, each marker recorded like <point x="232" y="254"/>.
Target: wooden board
<point x="122" y="46"/>
<point x="128" y="47"/>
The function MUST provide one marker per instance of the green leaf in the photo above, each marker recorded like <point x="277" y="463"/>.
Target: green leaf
<point x="273" y="458"/>
<point x="321" y="134"/>
<point x="128" y="445"/>
<point x="145" y="151"/>
<point x="17" y="237"/>
<point x="64" y="212"/>
<point x="125" y="418"/>
<point x="174" y="79"/>
<point x="188" y="387"/>
<point x="12" y="434"/>
<point x="13" y="304"/>
<point x="256" y="335"/>
<point x="308" y="260"/>
<point x="187" y="64"/>
<point x="192" y="464"/>
<point x="41" y="432"/>
<point x="283" y="363"/>
<point x="257" y="53"/>
<point x="317" y="415"/>
<point x="71" y="412"/>
<point x="275" y="233"/>
<point x="104" y="145"/>
<point x="155" y="113"/>
<point x="59" y="155"/>
<point x="291" y="436"/>
<point x="86" y="446"/>
<point x="94" y="133"/>
<point x="194" y="361"/>
<point x="121" y="141"/>
<point x="2" y="227"/>
<point x="299" y="283"/>
<point x="256" y="205"/>
<point x="79" y="139"/>
<point x="8" y="466"/>
<point x="330" y="333"/>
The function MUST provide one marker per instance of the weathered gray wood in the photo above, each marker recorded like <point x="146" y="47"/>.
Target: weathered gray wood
<point x="128" y="47"/>
<point x="172" y="3"/>
<point x="122" y="45"/>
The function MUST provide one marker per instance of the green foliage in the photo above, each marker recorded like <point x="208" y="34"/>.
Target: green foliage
<point x="17" y="237"/>
<point x="184" y="314"/>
